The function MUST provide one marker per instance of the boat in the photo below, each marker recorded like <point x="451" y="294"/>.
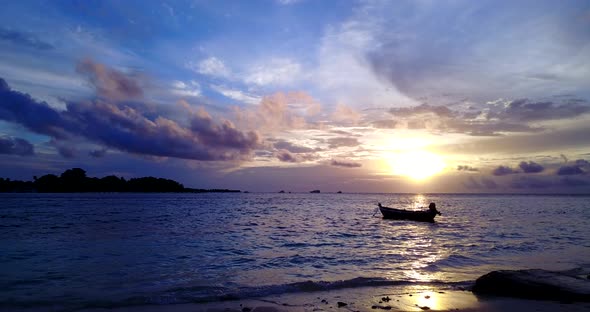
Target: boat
<point x="402" y="214"/>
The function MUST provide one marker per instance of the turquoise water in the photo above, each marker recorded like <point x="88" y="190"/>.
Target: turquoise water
<point x="83" y="250"/>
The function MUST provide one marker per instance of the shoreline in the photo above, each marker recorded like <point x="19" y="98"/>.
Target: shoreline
<point x="382" y="298"/>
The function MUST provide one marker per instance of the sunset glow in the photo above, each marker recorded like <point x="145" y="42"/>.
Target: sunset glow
<point x="357" y="96"/>
<point x="417" y="165"/>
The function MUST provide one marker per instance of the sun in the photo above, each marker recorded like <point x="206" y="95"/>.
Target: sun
<point x="417" y="165"/>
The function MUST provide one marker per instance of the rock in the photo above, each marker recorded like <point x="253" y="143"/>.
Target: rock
<point x="341" y="304"/>
<point x="534" y="284"/>
<point x="246" y="309"/>
<point x="385" y="299"/>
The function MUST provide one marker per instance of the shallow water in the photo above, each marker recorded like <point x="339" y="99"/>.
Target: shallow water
<point x="79" y="250"/>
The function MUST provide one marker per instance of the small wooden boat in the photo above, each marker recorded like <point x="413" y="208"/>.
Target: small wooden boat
<point x="402" y="214"/>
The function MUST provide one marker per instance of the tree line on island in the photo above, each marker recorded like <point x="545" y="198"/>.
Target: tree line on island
<point x="75" y="181"/>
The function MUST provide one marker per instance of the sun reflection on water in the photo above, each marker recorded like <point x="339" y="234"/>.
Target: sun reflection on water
<point x="416" y="242"/>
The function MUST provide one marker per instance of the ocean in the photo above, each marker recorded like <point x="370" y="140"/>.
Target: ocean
<point x="72" y="251"/>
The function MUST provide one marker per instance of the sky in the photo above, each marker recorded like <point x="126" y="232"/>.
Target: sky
<point x="296" y="95"/>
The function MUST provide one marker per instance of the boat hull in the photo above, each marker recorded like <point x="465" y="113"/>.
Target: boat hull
<point x="400" y="214"/>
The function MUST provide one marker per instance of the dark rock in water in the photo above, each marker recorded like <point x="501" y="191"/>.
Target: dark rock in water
<point x="342" y="304"/>
<point x="534" y="284"/>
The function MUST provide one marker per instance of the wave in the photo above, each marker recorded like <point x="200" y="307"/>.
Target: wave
<point x="205" y="294"/>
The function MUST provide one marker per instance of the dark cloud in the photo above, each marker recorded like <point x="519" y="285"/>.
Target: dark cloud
<point x="466" y="168"/>
<point x="293" y="148"/>
<point x="122" y="127"/>
<point x="440" y="111"/>
<point x="530" y="167"/>
<point x="24" y="39"/>
<point x="344" y="163"/>
<point x="108" y="82"/>
<point x="66" y="151"/>
<point x="342" y="141"/>
<point x="575" y="169"/>
<point x="497" y="118"/>
<point x="524" y="110"/>
<point x="16" y="146"/>
<point x="503" y="170"/>
<point x="286" y="156"/>
<point x="99" y="153"/>
<point x="569" y="170"/>
<point x="20" y="108"/>
<point x="574" y="182"/>
<point x="481" y="184"/>
<point x="442" y="118"/>
<point x="528" y="182"/>
<point x="221" y="135"/>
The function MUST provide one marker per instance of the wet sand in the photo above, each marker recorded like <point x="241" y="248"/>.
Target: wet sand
<point x="421" y="298"/>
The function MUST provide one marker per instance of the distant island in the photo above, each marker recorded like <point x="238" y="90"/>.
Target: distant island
<point x="75" y="181"/>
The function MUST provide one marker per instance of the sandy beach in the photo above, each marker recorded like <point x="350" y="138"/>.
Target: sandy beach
<point x="421" y="298"/>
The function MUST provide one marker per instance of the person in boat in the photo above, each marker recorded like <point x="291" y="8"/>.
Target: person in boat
<point x="432" y="209"/>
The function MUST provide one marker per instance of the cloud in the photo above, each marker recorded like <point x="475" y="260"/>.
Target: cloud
<point x="343" y="142"/>
<point x="98" y="153"/>
<point x="529" y="182"/>
<point x="66" y="151"/>
<point x="192" y="88"/>
<point x="276" y="71"/>
<point x="530" y="167"/>
<point x="286" y="156"/>
<point x="524" y="110"/>
<point x="224" y="135"/>
<point x="503" y="170"/>
<point x="346" y="114"/>
<point x="440" y="111"/>
<point x="385" y="124"/>
<point x="211" y="66"/>
<point x="237" y="95"/>
<point x="129" y="128"/>
<point x="279" y="111"/>
<point x="491" y="118"/>
<point x="24" y="39"/>
<point x="574" y="169"/>
<point x="109" y="83"/>
<point x="427" y="48"/>
<point x="570" y="181"/>
<point x="545" y="141"/>
<point x="20" y="108"/>
<point x="285" y="145"/>
<point x="16" y="146"/>
<point x="569" y="170"/>
<point x="481" y="184"/>
<point x="345" y="164"/>
<point x="466" y="168"/>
